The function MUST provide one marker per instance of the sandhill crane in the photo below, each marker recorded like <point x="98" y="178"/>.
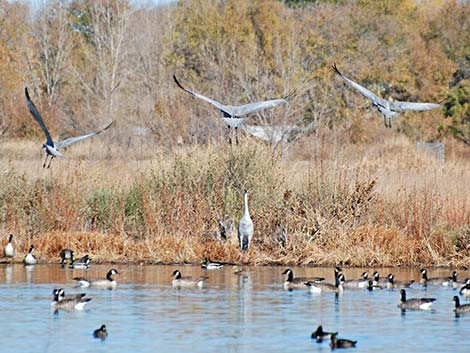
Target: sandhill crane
<point x="389" y="109"/>
<point x="245" y="228"/>
<point x="52" y="148"/>
<point x="232" y="115"/>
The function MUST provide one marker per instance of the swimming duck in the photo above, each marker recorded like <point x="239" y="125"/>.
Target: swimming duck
<point x="460" y="309"/>
<point x="357" y="283"/>
<point x="210" y="265"/>
<point x="298" y="282"/>
<point x="66" y="255"/>
<point x="108" y="283"/>
<point x="81" y="263"/>
<point x="319" y="287"/>
<point x="179" y="281"/>
<point x="320" y="335"/>
<point x="397" y="284"/>
<point x="9" y="251"/>
<point x="30" y="259"/>
<point x="414" y="303"/>
<point x="62" y="303"/>
<point x="341" y="342"/>
<point x="444" y="281"/>
<point x="101" y="333"/>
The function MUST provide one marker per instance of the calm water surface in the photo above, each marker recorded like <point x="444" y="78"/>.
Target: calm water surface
<point x="233" y="313"/>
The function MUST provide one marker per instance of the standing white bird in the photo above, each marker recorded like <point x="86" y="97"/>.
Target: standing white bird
<point x="245" y="228"/>
<point x="232" y="115"/>
<point x="9" y="251"/>
<point x="30" y="259"/>
<point x="388" y="109"/>
<point x="52" y="148"/>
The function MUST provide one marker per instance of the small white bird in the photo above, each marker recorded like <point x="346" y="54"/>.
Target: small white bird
<point x="52" y="148"/>
<point x="245" y="228"/>
<point x="388" y="109"/>
<point x="9" y="251"/>
<point x="232" y="115"/>
<point x="30" y="259"/>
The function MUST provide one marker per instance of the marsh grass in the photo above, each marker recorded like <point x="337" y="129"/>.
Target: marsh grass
<point x="382" y="205"/>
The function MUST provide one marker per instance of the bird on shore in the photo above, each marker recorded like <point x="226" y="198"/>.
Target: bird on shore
<point x="460" y="308"/>
<point x="81" y="263"/>
<point x="180" y="281"/>
<point x="107" y="283"/>
<point x="101" y="333"/>
<point x="232" y="115"/>
<point x="297" y="282"/>
<point x="397" y="284"/>
<point x="341" y="342"/>
<point x="211" y="265"/>
<point x="321" y="335"/>
<point x="9" y="250"/>
<point x="60" y="302"/>
<point x="245" y="228"/>
<point x="66" y="255"/>
<point x="389" y="109"/>
<point x="52" y="148"/>
<point x="414" y="303"/>
<point x="30" y="259"/>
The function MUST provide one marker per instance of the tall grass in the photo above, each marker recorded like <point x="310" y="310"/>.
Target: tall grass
<point x="338" y="206"/>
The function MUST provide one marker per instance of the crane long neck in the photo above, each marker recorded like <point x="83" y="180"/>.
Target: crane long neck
<point x="246" y="211"/>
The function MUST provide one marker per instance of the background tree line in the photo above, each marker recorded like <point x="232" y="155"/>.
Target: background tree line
<point x="90" y="61"/>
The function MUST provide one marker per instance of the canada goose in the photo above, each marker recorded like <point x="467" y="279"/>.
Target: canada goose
<point x="397" y="284"/>
<point x="72" y="303"/>
<point x="460" y="309"/>
<point x="245" y="228"/>
<point x="101" y="333"/>
<point x="465" y="290"/>
<point x="297" y="282"/>
<point x="30" y="259"/>
<point x="439" y="281"/>
<point x="414" y="303"/>
<point x="52" y="148"/>
<point x="210" y="265"/>
<point x="379" y="281"/>
<point x="81" y="263"/>
<point x="108" y="283"/>
<point x="232" y="115"/>
<point x="320" y="335"/>
<point x="357" y="283"/>
<point x="453" y="282"/>
<point x="371" y="286"/>
<point x="319" y="287"/>
<point x="179" y="281"/>
<point x="389" y="109"/>
<point x="341" y="342"/>
<point x="65" y="255"/>
<point x="67" y="296"/>
<point x="9" y="251"/>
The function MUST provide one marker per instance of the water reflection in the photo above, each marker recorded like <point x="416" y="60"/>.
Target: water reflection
<point x="248" y="312"/>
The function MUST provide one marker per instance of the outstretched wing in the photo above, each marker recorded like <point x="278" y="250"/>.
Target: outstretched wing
<point x="413" y="106"/>
<point x="35" y="113"/>
<point x="72" y="140"/>
<point x="220" y="106"/>
<point x="362" y="90"/>
<point x="253" y="107"/>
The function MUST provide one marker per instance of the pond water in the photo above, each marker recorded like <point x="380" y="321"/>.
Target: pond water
<point x="233" y="313"/>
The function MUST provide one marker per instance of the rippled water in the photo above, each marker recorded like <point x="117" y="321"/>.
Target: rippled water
<point x="233" y="313"/>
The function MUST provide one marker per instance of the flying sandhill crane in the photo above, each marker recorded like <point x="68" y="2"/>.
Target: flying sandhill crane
<point x="389" y="109"/>
<point x="232" y="115"/>
<point x="52" y="148"/>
